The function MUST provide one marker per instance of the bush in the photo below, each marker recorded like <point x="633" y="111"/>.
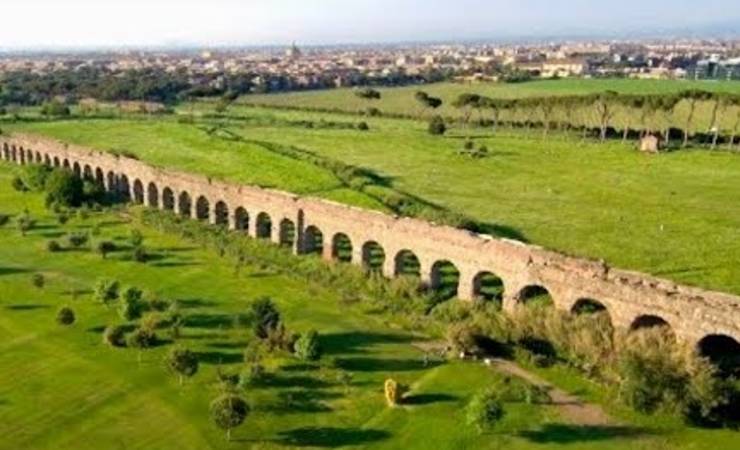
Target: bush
<point x="115" y="336"/>
<point x="105" y="247"/>
<point x="136" y="238"/>
<point x="363" y="126"/>
<point x="53" y="246"/>
<point x="307" y="346"/>
<point x="464" y="338"/>
<point x="394" y="392"/>
<point x="63" y="189"/>
<point x="38" y="280"/>
<point x="139" y="254"/>
<point x="266" y="317"/>
<point x="437" y="126"/>
<point x="106" y="291"/>
<point x="228" y="412"/>
<point x="77" y="240"/>
<point x="4" y="219"/>
<point x="18" y="184"/>
<point x="65" y="316"/>
<point x="34" y="177"/>
<point x="131" y="306"/>
<point x="182" y="362"/>
<point x="55" y="108"/>
<point x="141" y="338"/>
<point x="485" y="410"/>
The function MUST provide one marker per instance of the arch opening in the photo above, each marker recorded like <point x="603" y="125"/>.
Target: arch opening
<point x="124" y="189"/>
<point x="587" y="306"/>
<point x="723" y="351"/>
<point x="112" y="183"/>
<point x="56" y="162"/>
<point x="221" y="214"/>
<point x="373" y="256"/>
<point x="536" y="296"/>
<point x="313" y="241"/>
<point x="341" y="248"/>
<point x="264" y="226"/>
<point x="185" y="204"/>
<point x="47" y="160"/>
<point x="241" y="219"/>
<point x="77" y="170"/>
<point x="168" y="199"/>
<point x="152" y="195"/>
<point x="488" y="286"/>
<point x="66" y="165"/>
<point x="287" y="233"/>
<point x="445" y="280"/>
<point x="87" y="173"/>
<point x="202" y="208"/>
<point x="138" y="192"/>
<point x="407" y="264"/>
<point x="648" y="321"/>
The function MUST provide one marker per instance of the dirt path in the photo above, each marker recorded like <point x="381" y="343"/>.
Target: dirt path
<point x="570" y="407"/>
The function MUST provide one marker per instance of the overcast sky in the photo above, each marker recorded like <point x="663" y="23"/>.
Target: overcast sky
<point x="91" y="23"/>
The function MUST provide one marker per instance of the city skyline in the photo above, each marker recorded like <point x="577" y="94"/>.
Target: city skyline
<point x="88" y="24"/>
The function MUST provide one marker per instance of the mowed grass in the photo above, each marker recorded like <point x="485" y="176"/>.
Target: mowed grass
<point x="401" y="100"/>
<point x="669" y="215"/>
<point x="62" y="388"/>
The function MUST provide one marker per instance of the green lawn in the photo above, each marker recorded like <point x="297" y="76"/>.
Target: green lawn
<point x="401" y="100"/>
<point x="62" y="388"/>
<point x="667" y="215"/>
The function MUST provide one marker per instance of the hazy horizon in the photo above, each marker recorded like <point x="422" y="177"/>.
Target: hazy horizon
<point x="38" y="24"/>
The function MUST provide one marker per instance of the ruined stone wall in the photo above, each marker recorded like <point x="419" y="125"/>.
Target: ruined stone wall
<point x="692" y="313"/>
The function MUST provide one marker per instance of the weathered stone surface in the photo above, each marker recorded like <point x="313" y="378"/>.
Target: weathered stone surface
<point x="692" y="313"/>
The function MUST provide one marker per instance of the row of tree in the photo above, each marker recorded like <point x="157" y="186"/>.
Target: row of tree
<point x="647" y="113"/>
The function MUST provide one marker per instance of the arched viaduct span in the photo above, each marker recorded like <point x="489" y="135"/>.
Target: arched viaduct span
<point x="389" y="243"/>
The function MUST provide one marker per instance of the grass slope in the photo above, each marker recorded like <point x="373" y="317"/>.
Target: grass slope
<point x="667" y="214"/>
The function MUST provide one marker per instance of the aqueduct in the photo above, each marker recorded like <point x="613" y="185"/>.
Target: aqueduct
<point x="396" y="245"/>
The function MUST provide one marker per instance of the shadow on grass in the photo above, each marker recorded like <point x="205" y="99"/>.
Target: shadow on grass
<point x="214" y="320"/>
<point x="239" y="345"/>
<point x="428" y="399"/>
<point x="384" y="365"/>
<point x="100" y="328"/>
<point x="192" y="303"/>
<point x="292" y="402"/>
<point x="555" y="433"/>
<point x="29" y="307"/>
<point x="174" y="264"/>
<point x="357" y="342"/>
<point x="330" y="437"/>
<point x="12" y="270"/>
<point x="218" y="358"/>
<point x="294" y="381"/>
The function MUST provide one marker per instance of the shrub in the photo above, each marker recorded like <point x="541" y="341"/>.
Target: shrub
<point x="485" y="410"/>
<point x="363" y="126"/>
<point x="469" y="145"/>
<point x="115" y="336"/>
<point x="55" y="108"/>
<point x="77" y="240"/>
<point x="53" y="246"/>
<point x="394" y="392"/>
<point x="62" y="218"/>
<point x="38" y="280"/>
<point x="142" y="338"/>
<point x="266" y="317"/>
<point x="106" y="291"/>
<point x="136" y="238"/>
<point x="24" y="223"/>
<point x="34" y="177"/>
<point x="228" y="412"/>
<point x="17" y="184"/>
<point x="105" y="247"/>
<point x="65" y="316"/>
<point x="130" y="307"/>
<point x="437" y="126"/>
<point x="464" y="338"/>
<point x="63" y="189"/>
<point x="182" y="362"/>
<point x="307" y="346"/>
<point x="139" y="254"/>
<point x="4" y="219"/>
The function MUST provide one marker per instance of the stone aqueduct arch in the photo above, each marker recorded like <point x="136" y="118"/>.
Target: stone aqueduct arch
<point x="375" y="241"/>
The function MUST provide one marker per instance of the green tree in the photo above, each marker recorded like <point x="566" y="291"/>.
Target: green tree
<point x="106" y="291"/>
<point x="228" y="412"/>
<point x="131" y="305"/>
<point x="182" y="362"/>
<point x="115" y="336"/>
<point x="55" y="108"/>
<point x="38" y="280"/>
<point x="485" y="410"/>
<point x="63" y="189"/>
<point x="141" y="339"/>
<point x="307" y="346"/>
<point x="266" y="317"/>
<point x="437" y="126"/>
<point x="25" y="223"/>
<point x="692" y="97"/>
<point x="105" y="247"/>
<point x="65" y="316"/>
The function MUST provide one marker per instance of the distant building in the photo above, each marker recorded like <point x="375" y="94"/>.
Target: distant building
<point x="563" y="68"/>
<point x="293" y="52"/>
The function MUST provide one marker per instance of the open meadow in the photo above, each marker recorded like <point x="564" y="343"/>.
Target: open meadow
<point x="669" y="215"/>
<point x="62" y="387"/>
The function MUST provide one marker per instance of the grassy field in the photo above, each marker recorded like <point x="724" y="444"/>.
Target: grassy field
<point x="62" y="388"/>
<point x="401" y="100"/>
<point x="665" y="215"/>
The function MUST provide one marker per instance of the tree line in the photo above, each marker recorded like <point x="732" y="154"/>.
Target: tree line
<point x="610" y="112"/>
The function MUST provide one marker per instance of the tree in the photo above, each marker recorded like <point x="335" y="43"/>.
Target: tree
<point x="604" y="103"/>
<point x="106" y="291"/>
<point x="65" y="316"/>
<point x="437" y="126"/>
<point x="546" y="107"/>
<point x="142" y="338"/>
<point x="368" y="94"/>
<point x="394" y="391"/>
<point x="105" y="247"/>
<point x="692" y="97"/>
<point x="485" y="410"/>
<point x="426" y="101"/>
<point x="77" y="240"/>
<point x="63" y="189"/>
<point x="131" y="306"/>
<point x="266" y="317"/>
<point x="182" y="362"/>
<point x="24" y="223"/>
<point x="307" y="346"/>
<point x="721" y="102"/>
<point x="55" y="108"/>
<point x="38" y="280"/>
<point x="136" y="238"/>
<point x="228" y="412"/>
<point x="115" y="336"/>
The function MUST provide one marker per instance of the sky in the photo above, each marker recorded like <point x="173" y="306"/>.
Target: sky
<point x="105" y="23"/>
